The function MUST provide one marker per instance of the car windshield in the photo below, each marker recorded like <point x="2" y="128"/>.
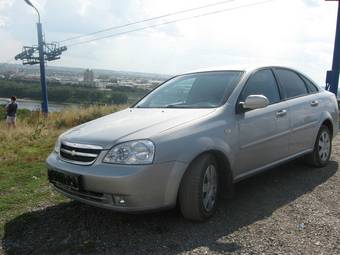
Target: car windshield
<point x="198" y="90"/>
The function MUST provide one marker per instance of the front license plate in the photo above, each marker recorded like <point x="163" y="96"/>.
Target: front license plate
<point x="70" y="181"/>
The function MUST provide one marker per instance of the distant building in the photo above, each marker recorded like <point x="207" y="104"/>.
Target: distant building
<point x="88" y="77"/>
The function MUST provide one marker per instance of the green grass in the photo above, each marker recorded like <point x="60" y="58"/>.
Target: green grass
<point x="23" y="179"/>
<point x="23" y="175"/>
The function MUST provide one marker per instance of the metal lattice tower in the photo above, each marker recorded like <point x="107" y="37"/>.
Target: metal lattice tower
<point x="32" y="55"/>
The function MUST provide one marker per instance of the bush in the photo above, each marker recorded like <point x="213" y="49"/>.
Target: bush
<point x="71" y="117"/>
<point x="61" y="93"/>
<point x="2" y="111"/>
<point x="24" y="114"/>
<point x="67" y="118"/>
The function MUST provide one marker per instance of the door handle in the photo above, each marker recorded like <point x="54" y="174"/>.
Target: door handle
<point x="281" y="113"/>
<point x="314" y="103"/>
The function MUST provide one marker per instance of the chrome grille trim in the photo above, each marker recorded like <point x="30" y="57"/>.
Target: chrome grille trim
<point x="80" y="154"/>
<point x="90" y="155"/>
<point x="82" y="146"/>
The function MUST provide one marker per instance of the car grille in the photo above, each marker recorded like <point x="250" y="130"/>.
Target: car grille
<point x="88" y="195"/>
<point x="82" y="154"/>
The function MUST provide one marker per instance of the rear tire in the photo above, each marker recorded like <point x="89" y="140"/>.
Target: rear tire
<point x="199" y="189"/>
<point x="322" y="148"/>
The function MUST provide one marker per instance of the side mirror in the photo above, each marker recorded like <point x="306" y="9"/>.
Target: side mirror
<point x="255" y="102"/>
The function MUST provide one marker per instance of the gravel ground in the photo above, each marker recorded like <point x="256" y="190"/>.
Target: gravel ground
<point x="292" y="209"/>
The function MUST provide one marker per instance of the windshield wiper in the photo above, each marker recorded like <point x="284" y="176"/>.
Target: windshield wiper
<point x="176" y="105"/>
<point x="171" y="106"/>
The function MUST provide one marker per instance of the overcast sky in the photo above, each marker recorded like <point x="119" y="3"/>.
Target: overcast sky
<point x="296" y="33"/>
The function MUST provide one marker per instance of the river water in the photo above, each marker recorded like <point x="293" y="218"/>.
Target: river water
<point x="34" y="105"/>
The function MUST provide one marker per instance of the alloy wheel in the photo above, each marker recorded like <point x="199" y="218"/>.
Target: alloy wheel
<point x="324" y="145"/>
<point x="209" y="188"/>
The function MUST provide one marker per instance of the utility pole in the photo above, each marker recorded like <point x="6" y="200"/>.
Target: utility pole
<point x="38" y="55"/>
<point x="332" y="78"/>
<point x="44" y="105"/>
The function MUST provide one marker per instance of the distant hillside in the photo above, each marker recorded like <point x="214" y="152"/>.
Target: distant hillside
<point x="51" y="69"/>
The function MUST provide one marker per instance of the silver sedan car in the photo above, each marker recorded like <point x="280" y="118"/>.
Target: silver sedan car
<point x="190" y="139"/>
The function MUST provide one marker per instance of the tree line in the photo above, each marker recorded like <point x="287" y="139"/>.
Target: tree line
<point x="68" y="93"/>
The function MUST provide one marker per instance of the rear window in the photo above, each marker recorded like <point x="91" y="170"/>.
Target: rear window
<point x="311" y="87"/>
<point x="293" y="85"/>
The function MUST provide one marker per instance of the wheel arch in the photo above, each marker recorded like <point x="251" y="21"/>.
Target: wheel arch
<point x="329" y="124"/>
<point x="327" y="118"/>
<point x="224" y="170"/>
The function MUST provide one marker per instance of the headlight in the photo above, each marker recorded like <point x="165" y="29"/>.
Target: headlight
<point x="57" y="146"/>
<point x="134" y="153"/>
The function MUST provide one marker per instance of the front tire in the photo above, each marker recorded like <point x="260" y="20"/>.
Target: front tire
<point x="322" y="148"/>
<point x="198" y="192"/>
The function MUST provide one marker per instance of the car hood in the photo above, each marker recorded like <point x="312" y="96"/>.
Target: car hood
<point x="130" y="124"/>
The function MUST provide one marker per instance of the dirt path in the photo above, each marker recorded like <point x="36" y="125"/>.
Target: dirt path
<point x="293" y="209"/>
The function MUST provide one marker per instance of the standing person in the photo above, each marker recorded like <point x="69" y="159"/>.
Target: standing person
<point x="11" y="109"/>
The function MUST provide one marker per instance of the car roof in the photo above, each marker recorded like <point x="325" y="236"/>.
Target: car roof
<point x="243" y="68"/>
<point x="248" y="69"/>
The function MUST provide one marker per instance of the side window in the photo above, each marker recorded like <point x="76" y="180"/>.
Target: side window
<point x="311" y="87"/>
<point x="262" y="83"/>
<point x="292" y="84"/>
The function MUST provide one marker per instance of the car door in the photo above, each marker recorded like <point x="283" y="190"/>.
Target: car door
<point x="263" y="133"/>
<point x="303" y="107"/>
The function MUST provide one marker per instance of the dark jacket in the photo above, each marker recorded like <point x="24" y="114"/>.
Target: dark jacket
<point x="12" y="109"/>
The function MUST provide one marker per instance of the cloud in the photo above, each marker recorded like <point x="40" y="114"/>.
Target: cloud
<point x="312" y="3"/>
<point x="9" y="49"/>
<point x="297" y="33"/>
<point x="4" y="4"/>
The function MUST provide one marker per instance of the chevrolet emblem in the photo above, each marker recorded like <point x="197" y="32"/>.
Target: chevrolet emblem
<point x="73" y="152"/>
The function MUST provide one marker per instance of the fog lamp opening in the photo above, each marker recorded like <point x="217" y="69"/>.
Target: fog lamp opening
<point x="119" y="200"/>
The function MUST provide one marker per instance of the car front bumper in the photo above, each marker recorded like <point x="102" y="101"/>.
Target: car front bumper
<point x="141" y="187"/>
